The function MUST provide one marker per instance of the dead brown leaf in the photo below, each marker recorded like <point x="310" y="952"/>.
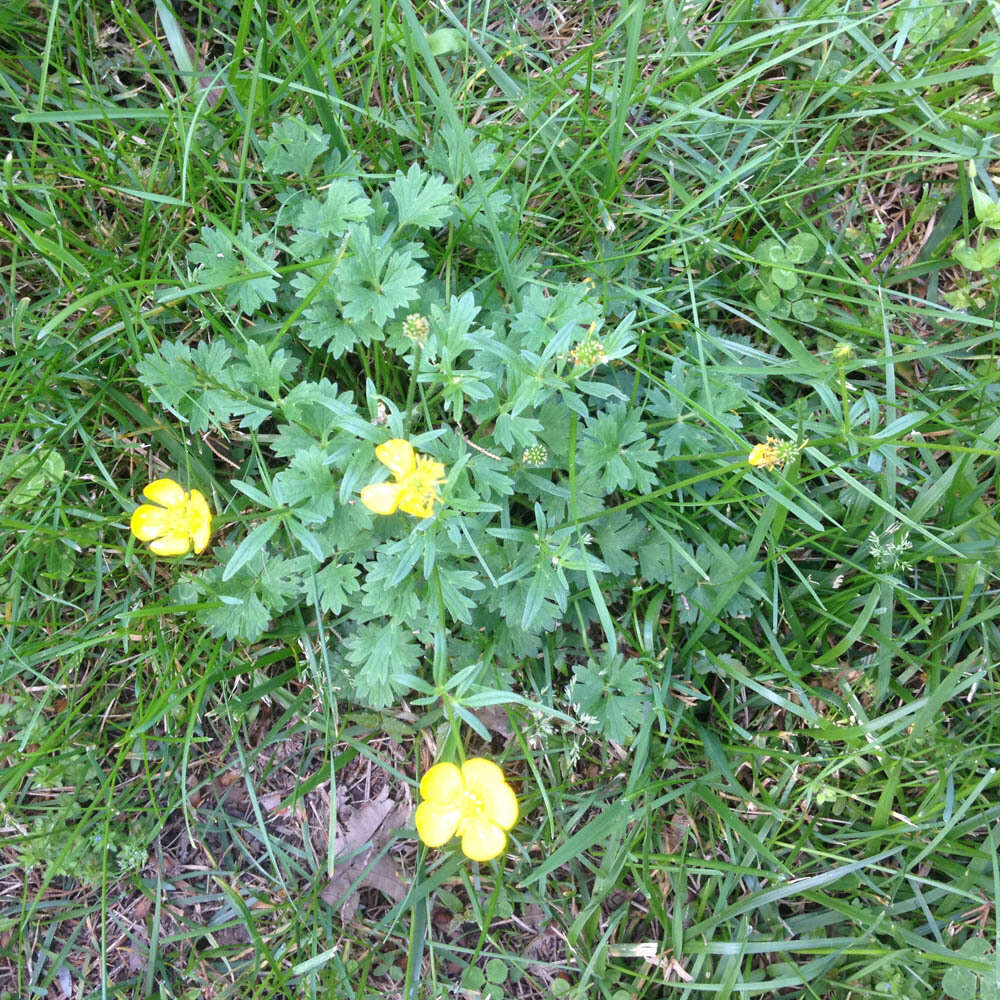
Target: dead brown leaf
<point x="676" y="831"/>
<point x="495" y="719"/>
<point x="269" y="803"/>
<point x="361" y="835"/>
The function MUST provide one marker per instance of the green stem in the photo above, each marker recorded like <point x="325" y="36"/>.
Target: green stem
<point x="843" y="402"/>
<point x="412" y="388"/>
<point x="452" y="749"/>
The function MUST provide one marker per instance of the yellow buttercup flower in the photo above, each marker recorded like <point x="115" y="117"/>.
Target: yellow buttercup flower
<point x="179" y="522"/>
<point x="774" y="453"/>
<point x="843" y="352"/>
<point x="474" y="802"/>
<point x="417" y="479"/>
<point x="764" y="456"/>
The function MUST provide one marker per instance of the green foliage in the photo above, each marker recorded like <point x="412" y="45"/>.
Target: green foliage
<point x="983" y="257"/>
<point x="199" y="386"/>
<point x="611" y="694"/>
<point x="987" y="210"/>
<point x="243" y="601"/>
<point x="961" y="983"/>
<point x="615" y="442"/>
<point x="293" y="147"/>
<point x="509" y="545"/>
<point x="423" y="200"/>
<point x="783" y="291"/>
<point x="241" y="265"/>
<point x="25" y="474"/>
<point x="382" y="654"/>
<point x="710" y="581"/>
<point x="985" y="254"/>
<point x="63" y="837"/>
<point x="923" y="24"/>
<point x="798" y="659"/>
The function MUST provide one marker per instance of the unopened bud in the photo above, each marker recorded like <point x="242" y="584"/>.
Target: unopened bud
<point x="416" y="328"/>
<point x="535" y="455"/>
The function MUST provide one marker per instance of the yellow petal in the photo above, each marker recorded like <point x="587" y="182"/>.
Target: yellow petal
<point x="757" y="456"/>
<point x="174" y="544"/>
<point x="481" y="839"/>
<point x="436" y="824"/>
<point x="381" y="498"/>
<point x="419" y="503"/>
<point x="165" y="492"/>
<point x="397" y="456"/>
<point x="149" y="522"/>
<point x="485" y="779"/>
<point x="198" y="507"/>
<point x="502" y="807"/>
<point x="442" y="784"/>
<point x="481" y="775"/>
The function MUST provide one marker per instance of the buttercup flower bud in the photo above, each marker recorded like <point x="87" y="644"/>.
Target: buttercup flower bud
<point x="535" y="455"/>
<point x="416" y="328"/>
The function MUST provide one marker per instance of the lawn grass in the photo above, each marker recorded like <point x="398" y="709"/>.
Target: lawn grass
<point x="808" y="808"/>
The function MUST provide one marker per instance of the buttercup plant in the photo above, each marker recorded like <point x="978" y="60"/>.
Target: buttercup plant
<point x="738" y="709"/>
<point x="520" y="400"/>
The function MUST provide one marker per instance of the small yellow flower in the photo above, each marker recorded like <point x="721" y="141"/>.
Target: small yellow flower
<point x="843" y="352"/>
<point x="417" y="478"/>
<point x="181" y="520"/>
<point x="774" y="453"/>
<point x="764" y="456"/>
<point x="474" y="802"/>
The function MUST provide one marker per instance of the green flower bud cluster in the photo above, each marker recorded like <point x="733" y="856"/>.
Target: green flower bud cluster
<point x="535" y="455"/>
<point x="588" y="354"/>
<point x="416" y="328"/>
